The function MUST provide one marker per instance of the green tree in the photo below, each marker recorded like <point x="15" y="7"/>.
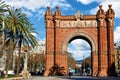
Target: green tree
<point x="86" y="63"/>
<point x="71" y="61"/>
<point x="36" y="61"/>
<point x="3" y="9"/>
<point x="18" y="31"/>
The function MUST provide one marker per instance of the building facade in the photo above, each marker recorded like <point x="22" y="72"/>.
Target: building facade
<point x="40" y="48"/>
<point x="117" y="62"/>
<point x="117" y="58"/>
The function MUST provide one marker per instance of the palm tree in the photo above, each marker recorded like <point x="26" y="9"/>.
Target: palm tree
<point x="57" y="70"/>
<point x="17" y="30"/>
<point x="3" y="9"/>
<point x="2" y="6"/>
<point x="25" y="37"/>
<point x="20" y="31"/>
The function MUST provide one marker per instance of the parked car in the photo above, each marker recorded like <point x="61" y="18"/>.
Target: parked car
<point x="10" y="72"/>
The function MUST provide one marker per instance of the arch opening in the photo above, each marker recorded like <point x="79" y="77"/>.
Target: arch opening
<point x="79" y="56"/>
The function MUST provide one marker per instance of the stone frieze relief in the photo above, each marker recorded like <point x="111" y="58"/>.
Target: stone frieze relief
<point x="79" y="23"/>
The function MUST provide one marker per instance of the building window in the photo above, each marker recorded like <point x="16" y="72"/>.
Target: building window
<point x="118" y="57"/>
<point x="118" y="67"/>
<point x="119" y="63"/>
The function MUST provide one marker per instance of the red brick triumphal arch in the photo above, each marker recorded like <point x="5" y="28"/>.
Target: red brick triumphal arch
<point x="97" y="30"/>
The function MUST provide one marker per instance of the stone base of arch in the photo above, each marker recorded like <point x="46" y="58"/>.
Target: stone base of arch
<point x="46" y="73"/>
<point x="94" y="63"/>
<point x="103" y="72"/>
<point x="61" y="60"/>
<point x="49" y="62"/>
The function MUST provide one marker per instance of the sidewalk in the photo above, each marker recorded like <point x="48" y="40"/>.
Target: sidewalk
<point x="15" y="78"/>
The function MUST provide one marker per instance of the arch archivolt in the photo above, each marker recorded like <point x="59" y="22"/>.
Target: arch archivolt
<point x="78" y="33"/>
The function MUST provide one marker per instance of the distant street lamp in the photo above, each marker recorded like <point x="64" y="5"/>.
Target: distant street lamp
<point x="84" y="64"/>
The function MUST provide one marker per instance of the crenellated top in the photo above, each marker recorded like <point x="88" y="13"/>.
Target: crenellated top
<point x="99" y="15"/>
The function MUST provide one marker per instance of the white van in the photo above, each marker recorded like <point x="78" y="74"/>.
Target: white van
<point x="11" y="72"/>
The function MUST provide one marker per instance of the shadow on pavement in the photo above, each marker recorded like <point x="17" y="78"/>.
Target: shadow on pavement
<point x="89" y="78"/>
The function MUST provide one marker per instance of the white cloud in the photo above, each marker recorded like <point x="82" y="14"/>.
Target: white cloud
<point x="105" y="3"/>
<point x="28" y="4"/>
<point x="87" y="1"/>
<point x="34" y="34"/>
<point x="33" y="5"/>
<point x="117" y="34"/>
<point x="78" y="48"/>
<point x="115" y="6"/>
<point x="37" y="6"/>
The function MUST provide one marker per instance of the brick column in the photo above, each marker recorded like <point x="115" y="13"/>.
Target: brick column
<point x="110" y="26"/>
<point x="102" y="43"/>
<point x="49" y="62"/>
<point x="49" y="41"/>
<point x="60" y="57"/>
<point x="94" y="63"/>
<point x="62" y="61"/>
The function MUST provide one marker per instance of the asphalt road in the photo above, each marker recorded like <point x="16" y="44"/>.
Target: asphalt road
<point x="72" y="78"/>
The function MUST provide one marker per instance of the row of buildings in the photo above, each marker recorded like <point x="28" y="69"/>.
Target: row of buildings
<point x="40" y="48"/>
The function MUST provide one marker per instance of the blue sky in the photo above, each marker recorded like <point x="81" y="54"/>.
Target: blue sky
<point x="35" y="9"/>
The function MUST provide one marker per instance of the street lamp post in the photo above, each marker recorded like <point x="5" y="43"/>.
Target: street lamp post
<point x="84" y="64"/>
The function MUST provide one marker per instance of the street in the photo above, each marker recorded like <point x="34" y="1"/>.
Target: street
<point x="72" y="78"/>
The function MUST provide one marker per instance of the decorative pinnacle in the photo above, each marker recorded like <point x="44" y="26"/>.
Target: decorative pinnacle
<point x="100" y="6"/>
<point x="57" y="7"/>
<point x="110" y="6"/>
<point x="48" y="7"/>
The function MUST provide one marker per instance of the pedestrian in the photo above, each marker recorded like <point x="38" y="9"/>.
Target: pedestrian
<point x="0" y="72"/>
<point x="70" y="74"/>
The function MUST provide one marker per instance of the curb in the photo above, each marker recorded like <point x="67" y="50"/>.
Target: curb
<point x="16" y="78"/>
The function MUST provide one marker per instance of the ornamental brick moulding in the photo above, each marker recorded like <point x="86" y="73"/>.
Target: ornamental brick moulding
<point x="96" y="29"/>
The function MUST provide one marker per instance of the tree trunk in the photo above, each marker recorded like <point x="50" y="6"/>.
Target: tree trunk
<point x="8" y="64"/>
<point x="19" y="44"/>
<point x="18" y="63"/>
<point x="8" y="61"/>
